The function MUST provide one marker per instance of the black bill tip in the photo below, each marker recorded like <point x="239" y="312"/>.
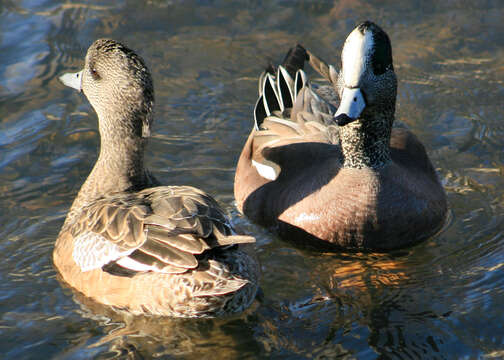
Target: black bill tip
<point x="343" y="119"/>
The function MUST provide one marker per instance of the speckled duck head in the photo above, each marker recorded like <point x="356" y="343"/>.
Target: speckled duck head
<point x="367" y="86"/>
<point x="119" y="86"/>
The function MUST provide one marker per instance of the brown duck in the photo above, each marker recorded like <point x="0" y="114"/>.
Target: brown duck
<point x="338" y="177"/>
<point x="130" y="243"/>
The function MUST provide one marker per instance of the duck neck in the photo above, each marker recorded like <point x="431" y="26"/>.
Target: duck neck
<point x="365" y="142"/>
<point x="123" y="157"/>
<point x="119" y="166"/>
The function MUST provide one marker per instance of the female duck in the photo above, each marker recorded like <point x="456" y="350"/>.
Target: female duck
<point x="130" y="243"/>
<point x="346" y="178"/>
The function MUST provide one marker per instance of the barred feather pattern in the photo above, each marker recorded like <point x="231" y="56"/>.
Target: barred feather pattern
<point x="163" y="228"/>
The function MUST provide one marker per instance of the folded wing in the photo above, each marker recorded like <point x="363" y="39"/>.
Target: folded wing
<point x="164" y="229"/>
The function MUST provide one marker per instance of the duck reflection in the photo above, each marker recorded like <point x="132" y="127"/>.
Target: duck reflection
<point x="136" y="337"/>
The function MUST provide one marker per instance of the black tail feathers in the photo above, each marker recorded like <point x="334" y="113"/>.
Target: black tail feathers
<point x="295" y="59"/>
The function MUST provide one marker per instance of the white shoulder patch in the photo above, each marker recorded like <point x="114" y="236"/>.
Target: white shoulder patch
<point x="267" y="172"/>
<point x="92" y="251"/>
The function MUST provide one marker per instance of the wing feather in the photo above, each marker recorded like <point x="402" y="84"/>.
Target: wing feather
<point x="168" y="254"/>
<point x="185" y="242"/>
<point x="289" y="110"/>
<point x="158" y="229"/>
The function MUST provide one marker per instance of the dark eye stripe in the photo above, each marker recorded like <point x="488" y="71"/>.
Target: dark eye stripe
<point x="381" y="59"/>
<point x="363" y="93"/>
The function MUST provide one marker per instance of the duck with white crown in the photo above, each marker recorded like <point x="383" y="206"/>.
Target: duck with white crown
<point x="338" y="177"/>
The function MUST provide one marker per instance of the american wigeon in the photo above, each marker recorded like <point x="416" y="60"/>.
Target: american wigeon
<point x="322" y="175"/>
<point x="129" y="242"/>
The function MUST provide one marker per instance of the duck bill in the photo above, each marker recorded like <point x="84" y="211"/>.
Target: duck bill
<point x="73" y="80"/>
<point x="351" y="106"/>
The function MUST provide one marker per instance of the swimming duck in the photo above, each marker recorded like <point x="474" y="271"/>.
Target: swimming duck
<point x="338" y="176"/>
<point x="129" y="242"/>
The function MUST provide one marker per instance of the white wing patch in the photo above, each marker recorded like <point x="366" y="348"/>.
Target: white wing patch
<point x="131" y="264"/>
<point x="92" y="251"/>
<point x="267" y="172"/>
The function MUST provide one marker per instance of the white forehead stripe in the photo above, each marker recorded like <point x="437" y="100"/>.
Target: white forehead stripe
<point x="356" y="50"/>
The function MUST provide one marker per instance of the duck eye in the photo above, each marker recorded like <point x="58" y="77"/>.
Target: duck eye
<point x="94" y="74"/>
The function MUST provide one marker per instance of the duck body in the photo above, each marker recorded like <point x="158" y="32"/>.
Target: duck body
<point x="337" y="182"/>
<point x="129" y="242"/>
<point x="131" y="251"/>
<point x="348" y="208"/>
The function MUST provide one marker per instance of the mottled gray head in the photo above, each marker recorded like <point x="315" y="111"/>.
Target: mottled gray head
<point x="119" y="87"/>
<point x="367" y="82"/>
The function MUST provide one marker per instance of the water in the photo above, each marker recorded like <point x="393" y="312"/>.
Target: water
<point x="441" y="299"/>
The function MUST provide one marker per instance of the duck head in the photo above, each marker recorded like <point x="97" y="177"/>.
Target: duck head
<point x="367" y="83"/>
<point x="118" y="85"/>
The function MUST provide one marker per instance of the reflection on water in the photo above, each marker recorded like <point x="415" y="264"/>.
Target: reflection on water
<point x="440" y="299"/>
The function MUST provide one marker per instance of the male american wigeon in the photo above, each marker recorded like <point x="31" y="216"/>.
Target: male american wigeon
<point x="321" y="175"/>
<point x="129" y="242"/>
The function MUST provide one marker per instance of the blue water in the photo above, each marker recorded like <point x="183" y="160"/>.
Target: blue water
<point x="441" y="299"/>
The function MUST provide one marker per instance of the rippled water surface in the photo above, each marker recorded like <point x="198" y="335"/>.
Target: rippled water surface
<point x="441" y="299"/>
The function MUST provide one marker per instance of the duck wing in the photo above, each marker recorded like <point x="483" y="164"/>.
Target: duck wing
<point x="166" y="229"/>
<point x="288" y="111"/>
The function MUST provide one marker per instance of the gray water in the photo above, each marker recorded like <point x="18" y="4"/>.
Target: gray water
<point x="441" y="299"/>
